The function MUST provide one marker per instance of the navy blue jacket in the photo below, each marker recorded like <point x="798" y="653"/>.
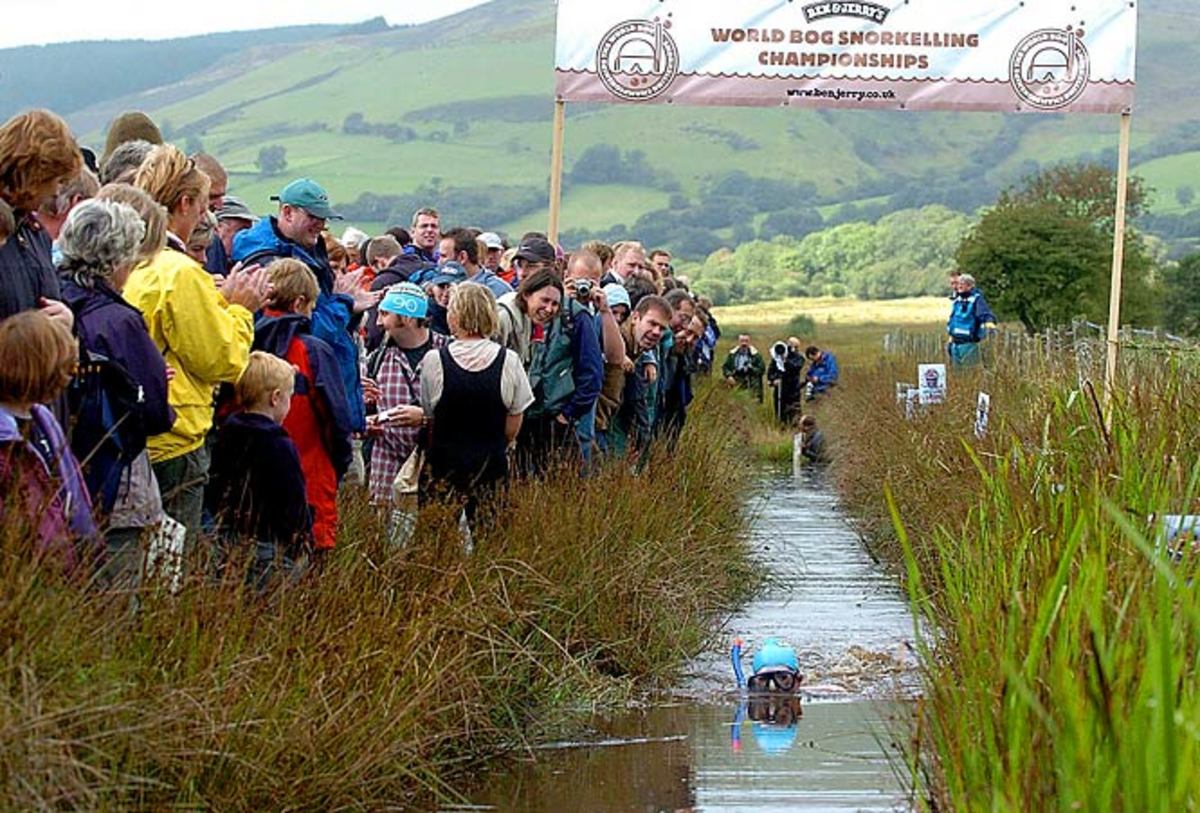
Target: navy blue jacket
<point x="26" y="272"/>
<point x="216" y="259"/>
<point x="108" y="325"/>
<point x="256" y="487"/>
<point x="823" y="373"/>
<point x="332" y="321"/>
<point x="587" y="365"/>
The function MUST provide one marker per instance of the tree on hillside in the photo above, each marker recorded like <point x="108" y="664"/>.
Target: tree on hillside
<point x="1185" y="195"/>
<point x="1181" y="296"/>
<point x="272" y="160"/>
<point x="1043" y="254"/>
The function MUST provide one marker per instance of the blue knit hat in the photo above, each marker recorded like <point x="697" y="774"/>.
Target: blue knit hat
<point x="405" y="299"/>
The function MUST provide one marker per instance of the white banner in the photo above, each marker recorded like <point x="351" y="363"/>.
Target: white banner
<point x="1037" y="55"/>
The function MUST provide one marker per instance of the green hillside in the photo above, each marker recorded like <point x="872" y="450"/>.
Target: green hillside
<point x="465" y="102"/>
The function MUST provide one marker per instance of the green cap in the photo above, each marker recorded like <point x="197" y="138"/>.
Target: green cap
<point x="309" y="196"/>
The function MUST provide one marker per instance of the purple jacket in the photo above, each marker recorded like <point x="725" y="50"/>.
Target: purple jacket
<point x="52" y="499"/>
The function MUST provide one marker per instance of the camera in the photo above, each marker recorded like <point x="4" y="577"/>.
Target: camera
<point x="583" y="289"/>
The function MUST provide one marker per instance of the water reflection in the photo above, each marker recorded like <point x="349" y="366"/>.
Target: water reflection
<point x="714" y="750"/>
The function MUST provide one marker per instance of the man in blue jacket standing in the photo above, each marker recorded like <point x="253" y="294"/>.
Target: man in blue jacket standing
<point x="971" y="321"/>
<point x="296" y="232"/>
<point x="822" y="373"/>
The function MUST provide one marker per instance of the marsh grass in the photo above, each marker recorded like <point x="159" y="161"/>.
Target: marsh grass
<point x="393" y="674"/>
<point x="1060" y="672"/>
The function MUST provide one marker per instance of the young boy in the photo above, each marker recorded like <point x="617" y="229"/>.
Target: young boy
<point x="256" y="486"/>
<point x="319" y="421"/>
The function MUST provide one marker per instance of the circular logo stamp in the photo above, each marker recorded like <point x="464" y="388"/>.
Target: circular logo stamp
<point x="637" y="60"/>
<point x="1050" y="68"/>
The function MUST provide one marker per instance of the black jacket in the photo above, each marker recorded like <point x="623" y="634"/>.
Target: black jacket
<point x="26" y="272"/>
<point x="256" y="488"/>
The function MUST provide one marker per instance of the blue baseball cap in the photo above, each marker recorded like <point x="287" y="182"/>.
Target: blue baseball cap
<point x="450" y="272"/>
<point x="405" y="299"/>
<point x="309" y="196"/>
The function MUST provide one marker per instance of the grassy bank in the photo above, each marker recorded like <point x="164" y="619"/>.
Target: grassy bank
<point x="1061" y="673"/>
<point x="391" y="675"/>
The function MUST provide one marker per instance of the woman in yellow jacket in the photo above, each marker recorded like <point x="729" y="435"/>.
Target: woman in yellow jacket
<point x="204" y="332"/>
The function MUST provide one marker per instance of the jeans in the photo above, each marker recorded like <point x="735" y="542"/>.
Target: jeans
<point x="585" y="434"/>
<point x="122" y="569"/>
<point x="964" y="354"/>
<point x="181" y="482"/>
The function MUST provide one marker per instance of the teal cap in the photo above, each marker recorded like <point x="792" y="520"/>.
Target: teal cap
<point x="309" y="196"/>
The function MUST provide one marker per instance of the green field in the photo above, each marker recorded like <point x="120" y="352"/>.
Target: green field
<point x="479" y="109"/>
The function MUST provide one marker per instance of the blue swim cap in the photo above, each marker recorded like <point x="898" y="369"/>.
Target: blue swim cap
<point x="774" y="739"/>
<point x="775" y="655"/>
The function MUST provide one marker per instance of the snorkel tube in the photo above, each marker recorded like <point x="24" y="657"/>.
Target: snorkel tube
<point x="735" y="655"/>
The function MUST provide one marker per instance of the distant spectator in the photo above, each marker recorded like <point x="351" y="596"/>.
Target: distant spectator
<point x="402" y="235"/>
<point x="202" y="236"/>
<point x="218" y="180"/>
<point x="122" y="165"/>
<point x="628" y="260"/>
<point x="233" y="217"/>
<point x="744" y="367"/>
<point x="603" y="251"/>
<point x="822" y="374"/>
<point x="660" y="263"/>
<point x="53" y="213"/>
<point x="813" y="447"/>
<point x="426" y="231"/>
<point x="461" y="246"/>
<point x="493" y="250"/>
<point x="131" y="126"/>
<point x="971" y="321"/>
<point x="152" y="213"/>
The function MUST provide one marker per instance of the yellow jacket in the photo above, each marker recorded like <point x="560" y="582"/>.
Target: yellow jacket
<point x="204" y="338"/>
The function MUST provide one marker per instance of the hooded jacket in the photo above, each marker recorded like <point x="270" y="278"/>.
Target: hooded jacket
<point x="49" y="497"/>
<point x="318" y="422"/>
<point x="202" y="337"/>
<point x="108" y="325"/>
<point x="332" y="321"/>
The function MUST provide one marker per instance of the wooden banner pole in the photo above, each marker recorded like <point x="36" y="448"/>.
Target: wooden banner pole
<point x="1118" y="266"/>
<point x="556" y="168"/>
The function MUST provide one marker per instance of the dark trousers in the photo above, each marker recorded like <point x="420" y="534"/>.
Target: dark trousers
<point x="181" y="482"/>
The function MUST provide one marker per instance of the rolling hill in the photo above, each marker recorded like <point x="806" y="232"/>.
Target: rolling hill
<point x="458" y="111"/>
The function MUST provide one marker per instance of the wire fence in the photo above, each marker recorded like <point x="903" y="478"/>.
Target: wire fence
<point x="1078" y="349"/>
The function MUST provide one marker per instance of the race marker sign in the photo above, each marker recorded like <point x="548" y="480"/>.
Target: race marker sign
<point x="1037" y="55"/>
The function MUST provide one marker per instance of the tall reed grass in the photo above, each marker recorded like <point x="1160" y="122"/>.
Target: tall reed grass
<point x="1061" y="650"/>
<point x="394" y="673"/>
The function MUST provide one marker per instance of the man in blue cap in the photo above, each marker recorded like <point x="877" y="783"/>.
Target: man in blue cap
<point x="395" y="367"/>
<point x="444" y="278"/>
<point x="295" y="232"/>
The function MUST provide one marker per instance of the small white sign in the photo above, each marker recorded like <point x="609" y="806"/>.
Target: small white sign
<point x="932" y="378"/>
<point x="983" y="408"/>
<point x="912" y="403"/>
<point x="902" y="389"/>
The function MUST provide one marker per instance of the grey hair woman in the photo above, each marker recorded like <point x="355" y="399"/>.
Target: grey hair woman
<point x="101" y="240"/>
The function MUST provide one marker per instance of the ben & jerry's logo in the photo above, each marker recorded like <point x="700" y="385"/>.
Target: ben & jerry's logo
<point x="866" y="11"/>
<point x="638" y="60"/>
<point x="1050" y="68"/>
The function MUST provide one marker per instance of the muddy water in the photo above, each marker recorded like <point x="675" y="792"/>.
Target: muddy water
<point x="705" y="747"/>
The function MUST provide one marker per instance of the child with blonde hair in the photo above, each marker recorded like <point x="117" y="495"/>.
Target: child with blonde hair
<point x="257" y="492"/>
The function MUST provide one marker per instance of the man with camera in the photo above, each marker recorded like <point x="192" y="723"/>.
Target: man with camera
<point x="595" y="341"/>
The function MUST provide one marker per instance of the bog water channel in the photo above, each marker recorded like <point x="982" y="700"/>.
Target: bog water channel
<point x="703" y="747"/>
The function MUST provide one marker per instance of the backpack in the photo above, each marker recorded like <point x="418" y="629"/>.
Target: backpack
<point x="551" y="373"/>
<point x="107" y="433"/>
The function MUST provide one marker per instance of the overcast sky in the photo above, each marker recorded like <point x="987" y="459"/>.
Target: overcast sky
<point x="37" y="22"/>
